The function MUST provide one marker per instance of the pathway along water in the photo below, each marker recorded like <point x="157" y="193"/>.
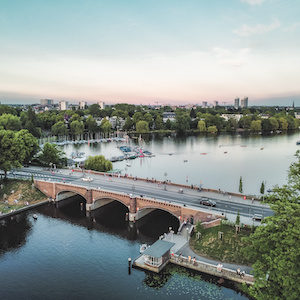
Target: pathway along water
<point x="214" y="161"/>
<point x="63" y="255"/>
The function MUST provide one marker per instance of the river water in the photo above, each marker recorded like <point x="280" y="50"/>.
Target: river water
<point x="213" y="161"/>
<point x="64" y="255"/>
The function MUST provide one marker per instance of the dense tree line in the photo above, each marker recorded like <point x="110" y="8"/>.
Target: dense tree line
<point x="144" y="119"/>
<point x="275" y="247"/>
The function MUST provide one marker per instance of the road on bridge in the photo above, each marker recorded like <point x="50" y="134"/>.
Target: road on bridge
<point x="224" y="203"/>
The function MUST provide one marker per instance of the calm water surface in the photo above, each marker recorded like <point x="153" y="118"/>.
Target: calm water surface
<point x="66" y="255"/>
<point x="215" y="162"/>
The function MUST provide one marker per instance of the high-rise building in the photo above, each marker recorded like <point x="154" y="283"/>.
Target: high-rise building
<point x="63" y="105"/>
<point x="82" y="104"/>
<point x="101" y="104"/>
<point x="216" y="103"/>
<point x="204" y="103"/>
<point x="46" y="102"/>
<point x="244" y="102"/>
<point x="236" y="103"/>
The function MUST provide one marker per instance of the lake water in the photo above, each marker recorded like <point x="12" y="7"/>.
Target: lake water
<point x="214" y="161"/>
<point x="64" y="255"/>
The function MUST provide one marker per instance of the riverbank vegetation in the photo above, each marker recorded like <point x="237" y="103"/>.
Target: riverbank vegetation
<point x="77" y="122"/>
<point x="98" y="163"/>
<point x="15" y="194"/>
<point x="274" y="247"/>
<point x="228" y="249"/>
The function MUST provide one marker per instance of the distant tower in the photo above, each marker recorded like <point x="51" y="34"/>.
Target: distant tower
<point x="204" y="103"/>
<point x="63" y="105"/>
<point x="101" y="104"/>
<point x="244" y="102"/>
<point x="236" y="103"/>
<point x="82" y="104"/>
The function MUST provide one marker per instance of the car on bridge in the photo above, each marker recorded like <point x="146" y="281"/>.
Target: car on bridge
<point x="257" y="217"/>
<point x="89" y="179"/>
<point x="207" y="202"/>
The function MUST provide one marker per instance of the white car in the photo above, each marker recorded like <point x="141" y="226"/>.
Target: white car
<point x="89" y="179"/>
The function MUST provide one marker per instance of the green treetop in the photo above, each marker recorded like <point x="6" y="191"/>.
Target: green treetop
<point x="275" y="246"/>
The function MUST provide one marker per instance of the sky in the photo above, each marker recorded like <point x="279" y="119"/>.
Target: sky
<point x="150" y="51"/>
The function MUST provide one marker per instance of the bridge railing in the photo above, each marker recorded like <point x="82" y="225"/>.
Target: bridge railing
<point x="179" y="185"/>
<point x="215" y="270"/>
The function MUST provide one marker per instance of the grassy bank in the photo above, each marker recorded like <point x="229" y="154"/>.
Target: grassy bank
<point x="16" y="194"/>
<point x="229" y="249"/>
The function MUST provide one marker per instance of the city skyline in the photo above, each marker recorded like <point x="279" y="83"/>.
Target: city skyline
<point x="147" y="51"/>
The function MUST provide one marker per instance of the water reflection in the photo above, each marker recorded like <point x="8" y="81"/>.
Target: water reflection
<point x="13" y="232"/>
<point x="111" y="219"/>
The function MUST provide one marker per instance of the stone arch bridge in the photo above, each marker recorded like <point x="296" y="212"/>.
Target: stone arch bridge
<point x="137" y="206"/>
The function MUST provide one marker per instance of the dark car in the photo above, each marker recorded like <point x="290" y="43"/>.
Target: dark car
<point x="208" y="202"/>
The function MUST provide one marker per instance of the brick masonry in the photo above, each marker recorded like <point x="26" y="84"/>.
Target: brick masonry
<point x="52" y="189"/>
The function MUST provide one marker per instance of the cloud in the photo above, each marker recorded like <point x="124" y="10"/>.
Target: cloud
<point x="253" y="2"/>
<point x="247" y="30"/>
<point x="293" y="27"/>
<point x="233" y="58"/>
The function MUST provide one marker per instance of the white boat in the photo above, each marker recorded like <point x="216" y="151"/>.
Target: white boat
<point x="143" y="248"/>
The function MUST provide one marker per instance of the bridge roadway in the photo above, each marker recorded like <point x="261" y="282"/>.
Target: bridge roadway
<point x="228" y="205"/>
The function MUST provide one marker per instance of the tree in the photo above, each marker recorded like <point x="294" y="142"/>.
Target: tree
<point x="283" y="124"/>
<point x="241" y="185"/>
<point x="138" y="116"/>
<point x="182" y="122"/>
<point x="262" y="188"/>
<point x="52" y="155"/>
<point x="158" y="123"/>
<point x="168" y="124"/>
<point x="255" y="126"/>
<point x="266" y="125"/>
<point x="105" y="126"/>
<point x="238" y="218"/>
<point x="201" y="126"/>
<point x="94" y="110"/>
<point x="275" y="246"/>
<point x="91" y="124"/>
<point x="193" y="114"/>
<point x="10" y="122"/>
<point x="149" y="119"/>
<point x="98" y="163"/>
<point x="77" y="127"/>
<point x="273" y="123"/>
<point x="142" y="126"/>
<point x="27" y="144"/>
<point x="245" y="122"/>
<point x="128" y="124"/>
<point x="212" y="129"/>
<point x="11" y="156"/>
<point x="59" y="129"/>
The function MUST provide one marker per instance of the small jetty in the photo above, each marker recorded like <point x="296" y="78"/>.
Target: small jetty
<point x="174" y="248"/>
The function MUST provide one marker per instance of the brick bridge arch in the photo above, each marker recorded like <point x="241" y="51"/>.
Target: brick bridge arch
<point x="68" y="190"/>
<point x="143" y="209"/>
<point x="103" y="200"/>
<point x="92" y="196"/>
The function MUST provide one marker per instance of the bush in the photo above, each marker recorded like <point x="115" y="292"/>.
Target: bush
<point x="98" y="163"/>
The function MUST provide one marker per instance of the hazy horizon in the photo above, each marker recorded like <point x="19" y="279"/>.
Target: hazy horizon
<point x="143" y="52"/>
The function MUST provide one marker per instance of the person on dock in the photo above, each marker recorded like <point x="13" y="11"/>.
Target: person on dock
<point x="194" y="260"/>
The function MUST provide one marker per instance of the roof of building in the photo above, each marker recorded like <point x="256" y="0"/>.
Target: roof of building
<point x="159" y="248"/>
